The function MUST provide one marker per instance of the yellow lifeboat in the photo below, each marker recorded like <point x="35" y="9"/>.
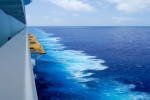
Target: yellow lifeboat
<point x="35" y="46"/>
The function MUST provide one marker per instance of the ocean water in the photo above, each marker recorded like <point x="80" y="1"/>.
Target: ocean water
<point x="93" y="63"/>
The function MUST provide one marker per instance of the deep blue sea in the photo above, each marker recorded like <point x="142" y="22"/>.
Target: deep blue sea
<point x="93" y="63"/>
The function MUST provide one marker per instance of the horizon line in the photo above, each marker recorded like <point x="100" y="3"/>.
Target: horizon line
<point x="86" y="26"/>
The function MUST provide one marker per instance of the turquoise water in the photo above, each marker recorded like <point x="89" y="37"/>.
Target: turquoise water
<point x="92" y="63"/>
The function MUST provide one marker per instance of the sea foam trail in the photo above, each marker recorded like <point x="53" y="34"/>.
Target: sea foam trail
<point x="77" y="62"/>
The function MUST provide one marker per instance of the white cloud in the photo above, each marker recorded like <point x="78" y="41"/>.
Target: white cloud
<point x="46" y="20"/>
<point x="75" y="14"/>
<point x="122" y="19"/>
<point x="73" y="5"/>
<point x="131" y="5"/>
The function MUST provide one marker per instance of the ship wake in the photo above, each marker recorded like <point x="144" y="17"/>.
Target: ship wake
<point x="75" y="70"/>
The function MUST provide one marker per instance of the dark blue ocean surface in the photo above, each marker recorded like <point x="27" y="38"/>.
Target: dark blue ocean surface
<point x="93" y="63"/>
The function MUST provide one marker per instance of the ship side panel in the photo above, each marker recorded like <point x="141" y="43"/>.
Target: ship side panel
<point x="4" y="28"/>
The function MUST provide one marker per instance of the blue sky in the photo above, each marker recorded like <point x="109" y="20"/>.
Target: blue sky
<point x="88" y="13"/>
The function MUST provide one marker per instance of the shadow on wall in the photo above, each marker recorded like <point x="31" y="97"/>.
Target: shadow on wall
<point x="9" y="27"/>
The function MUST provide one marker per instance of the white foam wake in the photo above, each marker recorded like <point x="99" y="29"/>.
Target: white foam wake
<point x="77" y="62"/>
<point x="33" y="62"/>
